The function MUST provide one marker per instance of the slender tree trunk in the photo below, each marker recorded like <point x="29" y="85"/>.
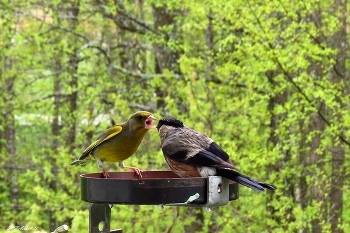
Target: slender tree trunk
<point x="338" y="152"/>
<point x="72" y="98"/>
<point x="7" y="117"/>
<point x="313" y="167"/>
<point x="165" y="58"/>
<point x="317" y="192"/>
<point x="314" y="193"/>
<point x="64" y="105"/>
<point x="9" y="141"/>
<point x="56" y="126"/>
<point x="273" y="141"/>
<point x="311" y="159"/>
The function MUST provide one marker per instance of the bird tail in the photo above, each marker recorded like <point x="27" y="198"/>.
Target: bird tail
<point x="244" y="180"/>
<point x="82" y="160"/>
<point x="79" y="162"/>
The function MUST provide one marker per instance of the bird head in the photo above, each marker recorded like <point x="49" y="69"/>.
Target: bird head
<point x="143" y="119"/>
<point x="170" y="122"/>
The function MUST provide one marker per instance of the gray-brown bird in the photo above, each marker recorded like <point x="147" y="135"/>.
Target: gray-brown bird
<point x="193" y="154"/>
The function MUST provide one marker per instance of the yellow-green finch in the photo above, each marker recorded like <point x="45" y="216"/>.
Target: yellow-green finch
<point x="118" y="142"/>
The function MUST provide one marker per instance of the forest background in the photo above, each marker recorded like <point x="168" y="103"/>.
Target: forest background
<point x="267" y="80"/>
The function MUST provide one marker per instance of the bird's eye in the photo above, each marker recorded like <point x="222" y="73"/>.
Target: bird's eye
<point x="140" y="117"/>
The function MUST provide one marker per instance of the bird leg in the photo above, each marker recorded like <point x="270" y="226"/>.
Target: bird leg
<point x="135" y="169"/>
<point x="99" y="165"/>
<point x="105" y="173"/>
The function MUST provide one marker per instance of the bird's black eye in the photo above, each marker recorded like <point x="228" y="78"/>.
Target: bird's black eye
<point x="140" y="117"/>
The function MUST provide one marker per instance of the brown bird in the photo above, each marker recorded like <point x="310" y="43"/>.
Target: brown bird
<point x="118" y="142"/>
<point x="193" y="154"/>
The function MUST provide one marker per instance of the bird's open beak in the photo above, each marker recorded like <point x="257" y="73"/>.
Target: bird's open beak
<point x="149" y="122"/>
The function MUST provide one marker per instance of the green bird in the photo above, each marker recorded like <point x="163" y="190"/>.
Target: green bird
<point x="118" y="142"/>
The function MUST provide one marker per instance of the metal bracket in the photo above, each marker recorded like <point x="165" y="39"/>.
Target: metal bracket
<point x="218" y="191"/>
<point x="100" y="217"/>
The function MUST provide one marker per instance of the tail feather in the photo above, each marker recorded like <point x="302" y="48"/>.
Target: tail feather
<point x="244" y="180"/>
<point x="80" y="162"/>
<point x="267" y="186"/>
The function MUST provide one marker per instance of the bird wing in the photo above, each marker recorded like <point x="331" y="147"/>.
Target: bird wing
<point x="201" y="158"/>
<point x="218" y="151"/>
<point x="109" y="133"/>
<point x="188" y="146"/>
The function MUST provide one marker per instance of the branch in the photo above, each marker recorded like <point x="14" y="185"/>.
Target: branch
<point x="290" y="79"/>
<point x="66" y="30"/>
<point x="132" y="44"/>
<point x="144" y="76"/>
<point x="132" y="24"/>
<point x="317" y="40"/>
<point x="175" y="216"/>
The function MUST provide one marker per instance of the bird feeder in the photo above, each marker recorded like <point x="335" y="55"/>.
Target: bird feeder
<point x="162" y="188"/>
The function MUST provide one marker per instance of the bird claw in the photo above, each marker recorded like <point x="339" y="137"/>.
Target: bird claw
<point x="136" y="170"/>
<point x="105" y="173"/>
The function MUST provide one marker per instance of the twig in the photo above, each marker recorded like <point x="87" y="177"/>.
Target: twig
<point x="176" y="214"/>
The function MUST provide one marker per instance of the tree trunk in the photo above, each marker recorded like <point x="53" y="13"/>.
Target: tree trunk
<point x="314" y="193"/>
<point x="165" y="58"/>
<point x="64" y="105"/>
<point x="273" y="141"/>
<point x="317" y="192"/>
<point x="338" y="152"/>
<point x="8" y="141"/>
<point x="7" y="117"/>
<point x="73" y="10"/>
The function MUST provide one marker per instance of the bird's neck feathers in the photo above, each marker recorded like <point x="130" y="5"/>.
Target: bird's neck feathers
<point x="166" y="130"/>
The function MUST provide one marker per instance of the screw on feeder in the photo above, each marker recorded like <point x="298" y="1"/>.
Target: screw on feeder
<point x="219" y="188"/>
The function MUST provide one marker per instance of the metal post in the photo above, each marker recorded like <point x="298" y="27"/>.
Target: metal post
<point x="100" y="219"/>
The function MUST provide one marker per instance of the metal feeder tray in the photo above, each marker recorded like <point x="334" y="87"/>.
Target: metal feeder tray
<point x="162" y="188"/>
<point x="154" y="188"/>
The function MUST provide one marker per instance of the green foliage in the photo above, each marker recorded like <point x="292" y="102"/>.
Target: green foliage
<point x="261" y="78"/>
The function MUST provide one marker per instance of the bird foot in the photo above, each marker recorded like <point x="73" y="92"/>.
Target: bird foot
<point x="105" y="173"/>
<point x="136" y="170"/>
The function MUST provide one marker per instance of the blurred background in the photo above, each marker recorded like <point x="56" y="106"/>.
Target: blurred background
<point x="267" y="80"/>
